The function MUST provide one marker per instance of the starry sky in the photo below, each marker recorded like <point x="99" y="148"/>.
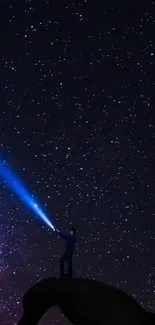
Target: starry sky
<point x="77" y="126"/>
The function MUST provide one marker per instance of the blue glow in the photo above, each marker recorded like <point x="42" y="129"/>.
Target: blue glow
<point x="18" y="188"/>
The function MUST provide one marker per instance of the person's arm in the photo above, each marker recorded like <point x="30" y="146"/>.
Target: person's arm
<point x="61" y="235"/>
<point x="56" y="230"/>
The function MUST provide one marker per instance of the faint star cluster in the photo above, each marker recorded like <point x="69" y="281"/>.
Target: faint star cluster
<point x="77" y="125"/>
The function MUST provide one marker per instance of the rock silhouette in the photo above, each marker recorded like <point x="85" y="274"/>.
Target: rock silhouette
<point x="83" y="302"/>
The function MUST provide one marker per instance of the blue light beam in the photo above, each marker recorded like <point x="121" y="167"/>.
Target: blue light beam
<point x="18" y="188"/>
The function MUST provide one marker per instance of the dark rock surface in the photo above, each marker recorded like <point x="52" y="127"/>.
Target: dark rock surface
<point x="83" y="302"/>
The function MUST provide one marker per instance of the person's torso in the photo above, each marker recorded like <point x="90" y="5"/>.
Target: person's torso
<point x="70" y="244"/>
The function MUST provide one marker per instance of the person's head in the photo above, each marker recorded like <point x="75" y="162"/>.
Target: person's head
<point x="72" y="231"/>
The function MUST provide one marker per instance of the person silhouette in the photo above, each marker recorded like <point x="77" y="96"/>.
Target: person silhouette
<point x="68" y="255"/>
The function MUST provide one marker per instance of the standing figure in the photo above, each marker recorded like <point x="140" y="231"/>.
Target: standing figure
<point x="68" y="255"/>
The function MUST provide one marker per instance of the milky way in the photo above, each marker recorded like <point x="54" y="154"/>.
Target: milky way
<point x="77" y="83"/>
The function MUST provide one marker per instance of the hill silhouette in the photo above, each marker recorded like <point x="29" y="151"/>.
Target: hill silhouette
<point x="83" y="302"/>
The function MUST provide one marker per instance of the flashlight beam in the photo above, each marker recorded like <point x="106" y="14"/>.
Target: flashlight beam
<point x="19" y="189"/>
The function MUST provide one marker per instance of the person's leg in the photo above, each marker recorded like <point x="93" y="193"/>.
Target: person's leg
<point x="70" y="268"/>
<point x="62" y="266"/>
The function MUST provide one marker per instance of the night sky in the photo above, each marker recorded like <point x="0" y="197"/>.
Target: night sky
<point x="76" y="125"/>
